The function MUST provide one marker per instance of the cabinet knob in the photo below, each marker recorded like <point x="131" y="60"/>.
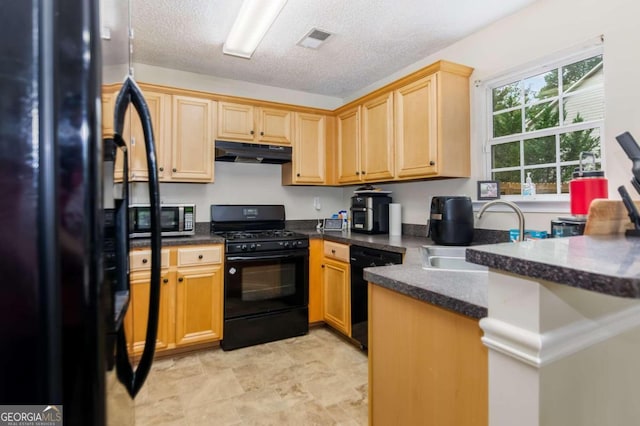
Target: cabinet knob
<point x="357" y="173"/>
<point x="180" y="279"/>
<point x="322" y="266"/>
<point x="298" y="174"/>
<point x="144" y="260"/>
<point x="199" y="256"/>
<point x="364" y="173"/>
<point x="261" y="133"/>
<point x="333" y="251"/>
<point x="161" y="169"/>
<point x="165" y="280"/>
<point x="174" y="170"/>
<point x="252" y="132"/>
<point x="432" y="163"/>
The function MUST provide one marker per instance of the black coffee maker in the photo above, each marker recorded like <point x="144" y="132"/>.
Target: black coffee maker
<point x="451" y="220"/>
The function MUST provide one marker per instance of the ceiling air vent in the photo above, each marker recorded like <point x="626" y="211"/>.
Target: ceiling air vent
<point x="314" y="38"/>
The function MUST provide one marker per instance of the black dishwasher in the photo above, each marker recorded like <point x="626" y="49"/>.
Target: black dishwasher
<point x="364" y="257"/>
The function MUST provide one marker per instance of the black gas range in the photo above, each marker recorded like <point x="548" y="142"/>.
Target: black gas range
<point x="266" y="277"/>
<point x="267" y="240"/>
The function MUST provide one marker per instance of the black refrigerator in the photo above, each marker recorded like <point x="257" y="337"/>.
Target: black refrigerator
<point x="63" y="219"/>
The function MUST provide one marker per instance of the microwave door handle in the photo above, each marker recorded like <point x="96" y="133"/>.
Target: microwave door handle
<point x="130" y="93"/>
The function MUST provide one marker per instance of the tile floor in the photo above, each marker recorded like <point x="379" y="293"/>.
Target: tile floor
<point x="317" y="379"/>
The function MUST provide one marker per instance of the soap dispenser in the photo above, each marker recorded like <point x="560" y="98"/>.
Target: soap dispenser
<point x="529" y="188"/>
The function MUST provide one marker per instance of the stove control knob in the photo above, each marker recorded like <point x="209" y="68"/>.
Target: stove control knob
<point x="243" y="247"/>
<point x="252" y="247"/>
<point x="286" y="243"/>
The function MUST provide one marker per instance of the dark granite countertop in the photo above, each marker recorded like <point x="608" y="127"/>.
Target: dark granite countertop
<point x="396" y="244"/>
<point x="201" y="237"/>
<point x="459" y="291"/>
<point x="604" y="264"/>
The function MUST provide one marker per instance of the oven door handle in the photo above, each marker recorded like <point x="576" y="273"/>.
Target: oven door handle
<point x="259" y="257"/>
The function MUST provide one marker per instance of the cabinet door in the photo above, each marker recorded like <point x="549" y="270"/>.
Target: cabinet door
<point x="336" y="295"/>
<point x="349" y="146"/>
<point x="416" y="128"/>
<point x="108" y="105"/>
<point x="235" y="122"/>
<point x="192" y="154"/>
<point x="377" y="145"/>
<point x="160" y="111"/>
<point x="275" y="126"/>
<point x="139" y="310"/>
<point x="309" y="148"/>
<point x="198" y="305"/>
<point x="315" y="281"/>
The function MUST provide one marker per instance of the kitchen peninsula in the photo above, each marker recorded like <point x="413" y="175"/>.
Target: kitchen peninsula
<point x="563" y="329"/>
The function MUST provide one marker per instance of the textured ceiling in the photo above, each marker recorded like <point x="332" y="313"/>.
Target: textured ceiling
<point x="372" y="38"/>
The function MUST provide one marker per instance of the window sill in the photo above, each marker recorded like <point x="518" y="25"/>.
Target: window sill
<point x="535" y="204"/>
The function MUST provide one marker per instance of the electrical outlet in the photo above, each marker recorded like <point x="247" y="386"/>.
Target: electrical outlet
<point x="316" y="203"/>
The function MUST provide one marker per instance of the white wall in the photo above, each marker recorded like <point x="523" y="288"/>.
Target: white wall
<point x="538" y="31"/>
<point x="242" y="183"/>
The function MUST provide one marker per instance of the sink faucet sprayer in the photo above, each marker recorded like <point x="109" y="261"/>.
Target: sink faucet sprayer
<point x="515" y="209"/>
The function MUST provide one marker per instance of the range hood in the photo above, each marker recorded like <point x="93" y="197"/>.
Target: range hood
<point x="240" y="152"/>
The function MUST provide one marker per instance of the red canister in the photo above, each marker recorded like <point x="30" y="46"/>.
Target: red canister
<point x="587" y="184"/>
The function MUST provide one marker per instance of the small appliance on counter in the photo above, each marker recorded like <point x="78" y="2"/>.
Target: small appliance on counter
<point x="567" y="226"/>
<point x="451" y="220"/>
<point x="586" y="185"/>
<point x="370" y="212"/>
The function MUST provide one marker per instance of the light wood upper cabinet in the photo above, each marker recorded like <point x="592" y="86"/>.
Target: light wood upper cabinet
<point x="377" y="139"/>
<point x="160" y="112"/>
<point x="108" y="105"/>
<point x="275" y="126"/>
<point x="416" y="128"/>
<point x="366" y="141"/>
<point x="432" y="126"/>
<point x="192" y="142"/>
<point x="308" y="164"/>
<point x="235" y="122"/>
<point x="348" y="144"/>
<point x="183" y="129"/>
<point x="246" y="123"/>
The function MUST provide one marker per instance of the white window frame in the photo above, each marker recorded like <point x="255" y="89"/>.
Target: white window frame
<point x="540" y="202"/>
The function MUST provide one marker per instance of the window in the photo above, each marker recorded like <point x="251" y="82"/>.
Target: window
<point x="541" y="121"/>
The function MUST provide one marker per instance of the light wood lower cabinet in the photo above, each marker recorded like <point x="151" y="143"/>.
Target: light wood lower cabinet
<point x="336" y="287"/>
<point x="427" y="365"/>
<point x="198" y="305"/>
<point x="315" y="280"/>
<point x="190" y="298"/>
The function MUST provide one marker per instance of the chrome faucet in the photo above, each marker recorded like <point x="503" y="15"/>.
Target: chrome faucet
<point x="515" y="209"/>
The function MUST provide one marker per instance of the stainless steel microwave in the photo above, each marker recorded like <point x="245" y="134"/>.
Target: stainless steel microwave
<point x="175" y="220"/>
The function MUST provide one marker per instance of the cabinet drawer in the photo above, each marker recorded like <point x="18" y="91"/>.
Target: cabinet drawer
<point x="336" y="251"/>
<point x="141" y="259"/>
<point x="193" y="256"/>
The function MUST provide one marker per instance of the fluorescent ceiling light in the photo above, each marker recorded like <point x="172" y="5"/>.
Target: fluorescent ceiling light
<point x="253" y="21"/>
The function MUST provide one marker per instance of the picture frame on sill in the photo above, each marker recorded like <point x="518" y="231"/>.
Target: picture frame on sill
<point x="488" y="189"/>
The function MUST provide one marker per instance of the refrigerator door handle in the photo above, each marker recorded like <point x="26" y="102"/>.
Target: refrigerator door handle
<point x="130" y="93"/>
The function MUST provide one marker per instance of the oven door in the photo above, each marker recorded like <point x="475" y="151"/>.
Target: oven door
<point x="258" y="283"/>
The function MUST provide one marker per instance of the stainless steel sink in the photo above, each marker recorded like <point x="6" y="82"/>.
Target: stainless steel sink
<point x="446" y="258"/>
